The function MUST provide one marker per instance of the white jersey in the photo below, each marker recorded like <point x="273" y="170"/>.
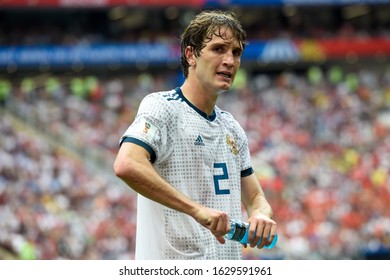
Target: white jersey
<point x="204" y="157"/>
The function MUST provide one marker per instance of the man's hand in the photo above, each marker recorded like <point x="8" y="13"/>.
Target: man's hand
<point x="214" y="220"/>
<point x="261" y="226"/>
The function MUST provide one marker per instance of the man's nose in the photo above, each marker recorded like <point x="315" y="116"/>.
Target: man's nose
<point x="228" y="58"/>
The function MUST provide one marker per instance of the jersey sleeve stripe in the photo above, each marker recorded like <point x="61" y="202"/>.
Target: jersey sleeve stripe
<point x="142" y="144"/>
<point x="247" y="172"/>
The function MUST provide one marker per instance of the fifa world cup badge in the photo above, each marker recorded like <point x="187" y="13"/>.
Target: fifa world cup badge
<point x="146" y="128"/>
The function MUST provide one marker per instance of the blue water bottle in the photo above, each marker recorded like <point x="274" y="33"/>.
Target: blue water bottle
<point x="239" y="232"/>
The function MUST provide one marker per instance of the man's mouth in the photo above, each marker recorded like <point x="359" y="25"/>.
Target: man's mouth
<point x="226" y="75"/>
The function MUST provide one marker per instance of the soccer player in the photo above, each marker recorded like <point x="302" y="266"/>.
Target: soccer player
<point x="189" y="161"/>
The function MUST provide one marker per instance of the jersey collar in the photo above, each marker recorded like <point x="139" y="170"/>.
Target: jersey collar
<point x="200" y="112"/>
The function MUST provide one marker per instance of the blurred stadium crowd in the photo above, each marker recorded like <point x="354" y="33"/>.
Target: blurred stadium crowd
<point x="164" y="24"/>
<point x="320" y="140"/>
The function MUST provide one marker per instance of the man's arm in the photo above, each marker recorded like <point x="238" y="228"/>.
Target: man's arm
<point x="133" y="166"/>
<point x="259" y="211"/>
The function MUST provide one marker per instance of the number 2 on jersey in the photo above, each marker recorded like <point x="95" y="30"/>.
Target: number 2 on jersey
<point x="218" y="178"/>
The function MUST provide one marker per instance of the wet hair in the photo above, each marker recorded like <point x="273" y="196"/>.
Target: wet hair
<point x="202" y="28"/>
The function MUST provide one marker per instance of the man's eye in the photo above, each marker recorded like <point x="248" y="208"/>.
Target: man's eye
<point x="237" y="53"/>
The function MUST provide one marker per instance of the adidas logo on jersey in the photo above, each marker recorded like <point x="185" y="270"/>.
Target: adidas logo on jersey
<point x="199" y="141"/>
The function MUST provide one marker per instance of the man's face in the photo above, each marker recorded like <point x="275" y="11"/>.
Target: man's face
<point x="218" y="62"/>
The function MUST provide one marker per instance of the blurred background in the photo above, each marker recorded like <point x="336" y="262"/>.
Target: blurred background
<point x="313" y="94"/>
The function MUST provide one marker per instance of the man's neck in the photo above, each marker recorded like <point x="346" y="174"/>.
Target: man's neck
<point x="199" y="96"/>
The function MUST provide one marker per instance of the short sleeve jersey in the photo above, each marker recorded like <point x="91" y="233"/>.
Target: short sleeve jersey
<point x="204" y="157"/>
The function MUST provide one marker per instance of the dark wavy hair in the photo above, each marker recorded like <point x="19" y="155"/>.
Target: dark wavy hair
<point x="202" y="28"/>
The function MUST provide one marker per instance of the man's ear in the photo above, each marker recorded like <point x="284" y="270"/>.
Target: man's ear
<point x="190" y="55"/>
